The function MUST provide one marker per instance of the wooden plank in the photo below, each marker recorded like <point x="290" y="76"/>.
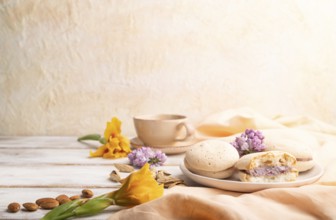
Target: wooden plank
<point x="64" y="157"/>
<point x="45" y="142"/>
<point x="55" y="176"/>
<point x="60" y="176"/>
<point x="62" y="150"/>
<point x="53" y="156"/>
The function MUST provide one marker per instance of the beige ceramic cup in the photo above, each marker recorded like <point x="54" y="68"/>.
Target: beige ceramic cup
<point x="163" y="129"/>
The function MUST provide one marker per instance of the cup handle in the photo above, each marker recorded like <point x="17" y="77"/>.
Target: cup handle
<point x="190" y="131"/>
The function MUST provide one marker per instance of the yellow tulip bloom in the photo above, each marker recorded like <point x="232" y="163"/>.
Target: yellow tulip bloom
<point x="139" y="187"/>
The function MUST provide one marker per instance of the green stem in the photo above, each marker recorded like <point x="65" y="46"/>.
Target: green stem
<point x="93" y="206"/>
<point x="65" y="216"/>
<point x="94" y="137"/>
<point x="64" y="211"/>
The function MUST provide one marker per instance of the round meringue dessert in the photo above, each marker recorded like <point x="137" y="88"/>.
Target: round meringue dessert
<point x="212" y="158"/>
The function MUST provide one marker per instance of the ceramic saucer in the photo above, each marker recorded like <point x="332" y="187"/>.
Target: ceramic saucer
<point x="176" y="148"/>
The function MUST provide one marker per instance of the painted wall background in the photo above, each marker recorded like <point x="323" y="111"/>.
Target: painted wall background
<point x="67" y="67"/>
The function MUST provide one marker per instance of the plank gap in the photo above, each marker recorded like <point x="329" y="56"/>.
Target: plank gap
<point x="59" y="186"/>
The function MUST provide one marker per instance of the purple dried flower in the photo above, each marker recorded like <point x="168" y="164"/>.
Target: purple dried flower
<point x="249" y="142"/>
<point x="143" y="155"/>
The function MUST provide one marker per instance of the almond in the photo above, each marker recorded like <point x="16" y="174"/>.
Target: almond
<point x="124" y="167"/>
<point x="13" y="207"/>
<point x="39" y="201"/>
<point x="63" y="199"/>
<point x="74" y="197"/>
<point x="86" y="193"/>
<point x="48" y="203"/>
<point x="30" y="206"/>
<point x="114" y="176"/>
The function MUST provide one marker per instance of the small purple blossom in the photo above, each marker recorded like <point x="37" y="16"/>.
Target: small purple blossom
<point x="249" y="142"/>
<point x="143" y="155"/>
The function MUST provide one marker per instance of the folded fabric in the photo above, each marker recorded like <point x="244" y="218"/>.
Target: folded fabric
<point x="307" y="202"/>
<point x="234" y="121"/>
<point x="314" y="201"/>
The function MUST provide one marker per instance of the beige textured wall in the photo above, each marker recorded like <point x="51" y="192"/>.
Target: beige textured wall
<point x="66" y="67"/>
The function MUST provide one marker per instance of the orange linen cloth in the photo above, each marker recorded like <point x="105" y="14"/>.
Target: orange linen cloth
<point x="315" y="201"/>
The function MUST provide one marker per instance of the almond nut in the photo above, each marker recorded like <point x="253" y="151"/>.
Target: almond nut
<point x="74" y="197"/>
<point x="13" y="207"/>
<point x="29" y="206"/>
<point x="63" y="199"/>
<point x="39" y="201"/>
<point x="114" y="176"/>
<point x="86" y="193"/>
<point x="124" y="167"/>
<point x="49" y="203"/>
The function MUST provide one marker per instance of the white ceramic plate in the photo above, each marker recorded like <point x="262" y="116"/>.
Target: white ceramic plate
<point x="232" y="184"/>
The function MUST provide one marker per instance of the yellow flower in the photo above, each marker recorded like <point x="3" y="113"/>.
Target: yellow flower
<point x="139" y="187"/>
<point x="113" y="128"/>
<point x="116" y="145"/>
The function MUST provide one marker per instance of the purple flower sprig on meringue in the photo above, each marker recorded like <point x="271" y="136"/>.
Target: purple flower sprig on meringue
<point x="250" y="141"/>
<point x="140" y="156"/>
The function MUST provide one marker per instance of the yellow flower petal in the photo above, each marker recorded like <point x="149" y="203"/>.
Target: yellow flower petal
<point x="112" y="128"/>
<point x="99" y="152"/>
<point x="139" y="187"/>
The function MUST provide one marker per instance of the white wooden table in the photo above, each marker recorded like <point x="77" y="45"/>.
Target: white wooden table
<point x="36" y="167"/>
